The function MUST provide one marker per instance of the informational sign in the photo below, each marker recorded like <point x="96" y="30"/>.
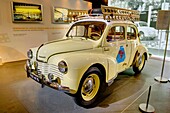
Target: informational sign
<point x="163" y="20"/>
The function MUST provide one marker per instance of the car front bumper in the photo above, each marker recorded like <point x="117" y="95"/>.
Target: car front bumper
<point x="38" y="77"/>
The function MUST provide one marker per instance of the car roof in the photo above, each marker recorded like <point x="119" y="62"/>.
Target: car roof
<point x="106" y="21"/>
<point x="140" y="22"/>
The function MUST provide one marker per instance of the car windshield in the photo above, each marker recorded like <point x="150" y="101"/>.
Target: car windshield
<point x="88" y="30"/>
<point x="143" y="24"/>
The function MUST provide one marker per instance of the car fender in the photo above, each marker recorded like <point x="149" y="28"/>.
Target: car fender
<point x="78" y="63"/>
<point x="142" y="49"/>
<point x="139" y="50"/>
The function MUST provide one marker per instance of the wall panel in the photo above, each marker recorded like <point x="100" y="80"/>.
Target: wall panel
<point x="17" y="38"/>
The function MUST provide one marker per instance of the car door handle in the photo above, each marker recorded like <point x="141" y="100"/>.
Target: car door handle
<point x="106" y="49"/>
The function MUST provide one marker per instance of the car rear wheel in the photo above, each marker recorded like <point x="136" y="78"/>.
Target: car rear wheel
<point x="90" y="88"/>
<point x="139" y="63"/>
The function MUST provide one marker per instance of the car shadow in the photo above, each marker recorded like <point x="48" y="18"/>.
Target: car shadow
<point x="125" y="85"/>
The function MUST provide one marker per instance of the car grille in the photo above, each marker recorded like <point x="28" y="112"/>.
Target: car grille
<point x="49" y="68"/>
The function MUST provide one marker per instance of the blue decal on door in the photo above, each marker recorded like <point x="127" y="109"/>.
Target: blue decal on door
<point x="121" y="55"/>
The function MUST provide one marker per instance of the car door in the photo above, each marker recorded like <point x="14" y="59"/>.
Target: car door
<point x="116" y="46"/>
<point x="132" y="41"/>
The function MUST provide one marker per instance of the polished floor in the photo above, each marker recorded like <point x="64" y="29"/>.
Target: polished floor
<point x="19" y="94"/>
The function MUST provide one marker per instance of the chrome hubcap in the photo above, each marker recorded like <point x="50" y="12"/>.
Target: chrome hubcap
<point x="90" y="87"/>
<point x="140" y="61"/>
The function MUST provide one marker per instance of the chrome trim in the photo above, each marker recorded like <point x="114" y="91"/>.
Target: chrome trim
<point x="42" y="56"/>
<point x="68" y="52"/>
<point x="38" y="52"/>
<point x="46" y="68"/>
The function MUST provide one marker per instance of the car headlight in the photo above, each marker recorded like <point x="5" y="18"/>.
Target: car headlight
<point x="62" y="66"/>
<point x="29" y="54"/>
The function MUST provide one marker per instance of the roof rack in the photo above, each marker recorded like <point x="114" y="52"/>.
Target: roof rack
<point x="115" y="13"/>
<point x="107" y="13"/>
<point x="73" y="14"/>
<point x="90" y="16"/>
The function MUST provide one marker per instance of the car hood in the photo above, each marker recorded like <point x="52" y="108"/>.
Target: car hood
<point x="47" y="50"/>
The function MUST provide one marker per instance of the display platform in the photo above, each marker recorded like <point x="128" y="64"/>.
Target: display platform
<point x="20" y="94"/>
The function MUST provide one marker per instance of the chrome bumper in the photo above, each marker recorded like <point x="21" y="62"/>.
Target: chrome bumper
<point x="41" y="79"/>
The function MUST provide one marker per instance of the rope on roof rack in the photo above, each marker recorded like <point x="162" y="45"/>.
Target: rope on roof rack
<point x="115" y="13"/>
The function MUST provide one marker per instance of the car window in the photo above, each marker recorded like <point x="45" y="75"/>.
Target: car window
<point x="88" y="30"/>
<point x="116" y="33"/>
<point x="143" y="24"/>
<point x="131" y="33"/>
<point x="77" y="31"/>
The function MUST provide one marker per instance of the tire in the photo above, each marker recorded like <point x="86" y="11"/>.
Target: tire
<point x="142" y="36"/>
<point x="139" y="64"/>
<point x="90" y="88"/>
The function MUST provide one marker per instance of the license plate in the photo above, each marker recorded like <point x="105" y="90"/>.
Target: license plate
<point x="35" y="78"/>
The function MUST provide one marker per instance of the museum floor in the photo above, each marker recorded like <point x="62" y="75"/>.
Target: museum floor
<point x="19" y="94"/>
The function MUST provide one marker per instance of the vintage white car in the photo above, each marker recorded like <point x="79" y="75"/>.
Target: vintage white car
<point x="88" y="58"/>
<point x="146" y="32"/>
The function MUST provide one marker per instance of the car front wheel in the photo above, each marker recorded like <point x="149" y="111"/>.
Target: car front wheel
<point x="90" y="88"/>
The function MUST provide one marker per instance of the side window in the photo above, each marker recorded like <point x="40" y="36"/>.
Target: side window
<point x="131" y="33"/>
<point x="116" y="33"/>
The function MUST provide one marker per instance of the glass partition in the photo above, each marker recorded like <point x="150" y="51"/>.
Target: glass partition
<point x="150" y="36"/>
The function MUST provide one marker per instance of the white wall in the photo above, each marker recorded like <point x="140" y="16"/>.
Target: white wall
<point x="17" y="38"/>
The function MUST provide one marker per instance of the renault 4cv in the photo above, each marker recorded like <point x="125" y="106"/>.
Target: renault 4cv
<point x="91" y="54"/>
